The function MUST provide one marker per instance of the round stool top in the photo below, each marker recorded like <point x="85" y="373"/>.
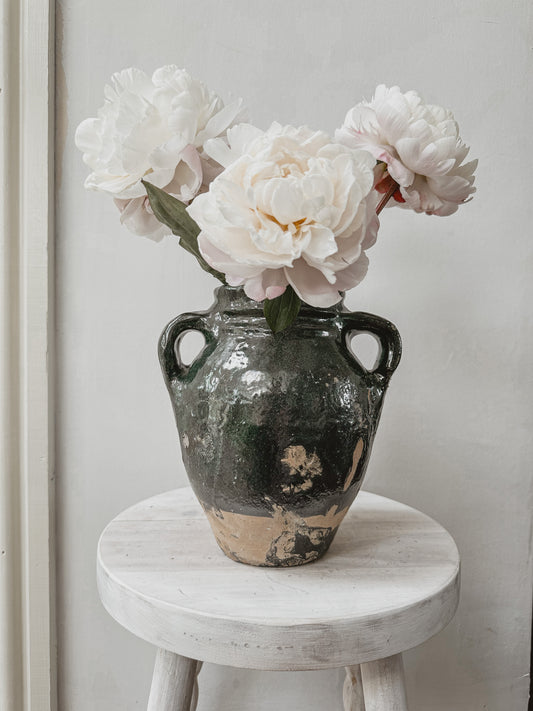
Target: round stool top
<point x="389" y="582"/>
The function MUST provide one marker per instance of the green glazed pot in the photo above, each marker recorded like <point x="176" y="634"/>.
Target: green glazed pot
<point x="276" y="430"/>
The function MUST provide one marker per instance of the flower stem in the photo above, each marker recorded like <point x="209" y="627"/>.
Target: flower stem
<point x="385" y="199"/>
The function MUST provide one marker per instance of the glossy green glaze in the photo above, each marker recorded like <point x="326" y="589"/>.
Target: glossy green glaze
<point x="276" y="430"/>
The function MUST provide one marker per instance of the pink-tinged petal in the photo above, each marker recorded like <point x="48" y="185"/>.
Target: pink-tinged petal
<point x="400" y="172"/>
<point x="448" y="208"/>
<point x="466" y="170"/>
<point x="421" y="198"/>
<point x="235" y="280"/>
<point x="372" y="225"/>
<point x="188" y="175"/>
<point x="136" y="216"/>
<point x="272" y="292"/>
<point x="416" y="141"/>
<point x="151" y="127"/>
<point x="214" y="256"/>
<point x="311" y="285"/>
<point x="253" y="288"/>
<point x="222" y="262"/>
<point x="352" y="275"/>
<point x="270" y="284"/>
<point x="379" y="172"/>
<point x="292" y="207"/>
<point x="452" y="188"/>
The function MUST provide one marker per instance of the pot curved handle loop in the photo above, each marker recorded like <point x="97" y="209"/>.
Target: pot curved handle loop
<point x="174" y="369"/>
<point x="386" y="333"/>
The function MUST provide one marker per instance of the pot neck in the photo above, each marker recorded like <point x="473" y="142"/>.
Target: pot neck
<point x="232" y="299"/>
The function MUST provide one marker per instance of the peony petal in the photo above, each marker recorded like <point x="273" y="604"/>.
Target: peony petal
<point x="220" y="122"/>
<point x="270" y="284"/>
<point x="242" y="137"/>
<point x="321" y="244"/>
<point x="421" y="198"/>
<point x="221" y="261"/>
<point x="135" y="216"/>
<point x="149" y="127"/>
<point x="87" y="138"/>
<point x="128" y="80"/>
<point x="219" y="151"/>
<point x="416" y="141"/>
<point x="284" y="200"/>
<point x="311" y="285"/>
<point x="188" y="175"/>
<point x="290" y="206"/>
<point x="352" y="275"/>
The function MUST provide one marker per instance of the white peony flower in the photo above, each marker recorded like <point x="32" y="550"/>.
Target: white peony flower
<point x="291" y="207"/>
<point x="420" y="145"/>
<point x="155" y="129"/>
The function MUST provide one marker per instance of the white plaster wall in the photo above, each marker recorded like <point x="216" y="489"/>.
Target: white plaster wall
<point x="455" y="437"/>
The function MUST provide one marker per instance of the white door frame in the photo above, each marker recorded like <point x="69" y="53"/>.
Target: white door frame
<point x="27" y="625"/>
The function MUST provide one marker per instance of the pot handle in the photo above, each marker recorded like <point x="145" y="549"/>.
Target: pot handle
<point x="386" y="333"/>
<point x="174" y="369"/>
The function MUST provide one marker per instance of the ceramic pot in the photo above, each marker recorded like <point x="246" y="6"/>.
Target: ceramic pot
<point x="276" y="430"/>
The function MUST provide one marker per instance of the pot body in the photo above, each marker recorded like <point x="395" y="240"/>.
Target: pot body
<point x="276" y="429"/>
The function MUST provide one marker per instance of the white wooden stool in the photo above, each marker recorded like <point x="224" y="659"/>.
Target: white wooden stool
<point x="389" y="582"/>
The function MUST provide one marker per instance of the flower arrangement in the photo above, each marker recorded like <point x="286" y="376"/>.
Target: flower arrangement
<point x="288" y="213"/>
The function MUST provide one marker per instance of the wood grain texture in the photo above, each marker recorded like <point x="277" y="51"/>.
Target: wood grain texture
<point x="352" y="693"/>
<point x="173" y="683"/>
<point x="389" y="582"/>
<point x="383" y="684"/>
<point x="196" y="690"/>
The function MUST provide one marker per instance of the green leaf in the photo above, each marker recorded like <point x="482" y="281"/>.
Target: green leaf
<point x="173" y="213"/>
<point x="283" y="310"/>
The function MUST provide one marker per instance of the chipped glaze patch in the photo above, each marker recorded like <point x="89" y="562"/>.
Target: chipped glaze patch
<point x="275" y="420"/>
<point x="358" y="451"/>
<point x="303" y="468"/>
<point x="283" y="539"/>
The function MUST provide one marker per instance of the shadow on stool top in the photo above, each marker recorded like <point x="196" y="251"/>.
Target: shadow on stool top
<point x="389" y="582"/>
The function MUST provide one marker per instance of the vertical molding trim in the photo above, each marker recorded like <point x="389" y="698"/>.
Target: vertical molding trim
<point x="27" y="622"/>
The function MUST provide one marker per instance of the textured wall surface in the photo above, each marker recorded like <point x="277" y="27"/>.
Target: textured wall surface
<point x="454" y="438"/>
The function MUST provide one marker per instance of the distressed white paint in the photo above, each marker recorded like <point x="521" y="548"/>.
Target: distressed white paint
<point x="196" y="688"/>
<point x="388" y="583"/>
<point x="174" y="683"/>
<point x="352" y="692"/>
<point x="454" y="438"/>
<point x="383" y="684"/>
<point x="27" y="644"/>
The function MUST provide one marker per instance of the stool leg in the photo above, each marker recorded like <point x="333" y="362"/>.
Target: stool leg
<point x="172" y="683"/>
<point x="194" y="702"/>
<point x="352" y="693"/>
<point x="383" y="684"/>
